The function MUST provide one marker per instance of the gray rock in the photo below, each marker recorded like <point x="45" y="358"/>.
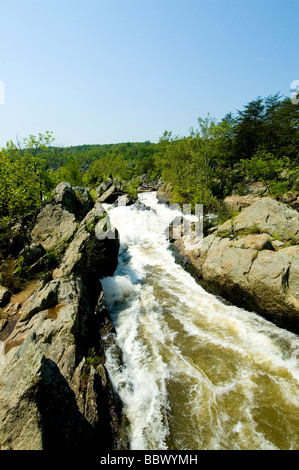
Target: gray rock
<point x="50" y="395"/>
<point x="20" y="376"/>
<point x="32" y="253"/>
<point x="236" y="203"/>
<point x="265" y="216"/>
<point x="164" y="194"/>
<point x="5" y="295"/>
<point x="245" y="262"/>
<point x="102" y="188"/>
<point x="58" y="221"/>
<point x="54" y="224"/>
<point x="110" y="196"/>
<point x="76" y="200"/>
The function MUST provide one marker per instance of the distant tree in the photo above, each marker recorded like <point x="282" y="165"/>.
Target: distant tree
<point x="71" y="173"/>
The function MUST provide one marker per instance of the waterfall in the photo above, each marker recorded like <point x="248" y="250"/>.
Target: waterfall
<point x="196" y="373"/>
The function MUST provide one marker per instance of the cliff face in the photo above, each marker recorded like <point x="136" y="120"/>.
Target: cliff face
<point x="251" y="260"/>
<point x="54" y="389"/>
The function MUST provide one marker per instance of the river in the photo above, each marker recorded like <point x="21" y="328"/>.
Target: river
<point x="197" y="374"/>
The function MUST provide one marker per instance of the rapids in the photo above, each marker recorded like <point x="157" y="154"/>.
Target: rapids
<point x="196" y="373"/>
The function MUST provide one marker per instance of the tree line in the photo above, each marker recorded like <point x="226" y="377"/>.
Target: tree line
<point x="258" y="143"/>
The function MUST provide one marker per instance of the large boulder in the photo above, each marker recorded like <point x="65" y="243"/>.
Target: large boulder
<point x="58" y="220"/>
<point x="252" y="260"/>
<point x="54" y="389"/>
<point x="236" y="203"/>
<point x="164" y="194"/>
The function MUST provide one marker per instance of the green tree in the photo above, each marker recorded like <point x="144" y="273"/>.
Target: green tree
<point x="19" y="190"/>
<point x="264" y="166"/>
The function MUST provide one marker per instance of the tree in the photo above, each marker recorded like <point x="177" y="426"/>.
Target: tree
<point x="19" y="191"/>
<point x="35" y="147"/>
<point x="264" y="166"/>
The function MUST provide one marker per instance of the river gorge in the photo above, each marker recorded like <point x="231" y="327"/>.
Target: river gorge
<point x="194" y="372"/>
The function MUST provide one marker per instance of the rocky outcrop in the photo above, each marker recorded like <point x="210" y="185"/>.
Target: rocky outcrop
<point x="58" y="220"/>
<point x="236" y="203"/>
<point x="55" y="392"/>
<point x="292" y="199"/>
<point x="164" y="193"/>
<point x="251" y="260"/>
<point x="5" y="295"/>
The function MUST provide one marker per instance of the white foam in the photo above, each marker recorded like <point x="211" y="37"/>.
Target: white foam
<point x="158" y="308"/>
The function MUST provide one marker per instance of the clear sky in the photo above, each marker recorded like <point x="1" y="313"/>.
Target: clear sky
<point x="107" y="71"/>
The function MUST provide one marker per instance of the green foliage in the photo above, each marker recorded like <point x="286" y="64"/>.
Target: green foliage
<point x="93" y="359"/>
<point x="25" y="181"/>
<point x="264" y="166"/>
<point x="260" y="143"/>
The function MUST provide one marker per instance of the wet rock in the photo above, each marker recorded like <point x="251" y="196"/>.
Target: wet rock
<point x="125" y="200"/>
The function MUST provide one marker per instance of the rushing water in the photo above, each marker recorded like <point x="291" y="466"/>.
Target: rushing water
<point x="196" y="373"/>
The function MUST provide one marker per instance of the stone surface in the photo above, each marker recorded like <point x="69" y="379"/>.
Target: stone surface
<point x="102" y="188"/>
<point x="237" y="203"/>
<point x="164" y="194"/>
<point x="5" y="296"/>
<point x="52" y="395"/>
<point x="32" y="253"/>
<point x="58" y="221"/>
<point x="53" y="225"/>
<point x="252" y="261"/>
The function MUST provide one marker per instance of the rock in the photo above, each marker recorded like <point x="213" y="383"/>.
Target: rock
<point x="164" y="194"/>
<point x="246" y="263"/>
<point x="32" y="253"/>
<point x="110" y="196"/>
<point x="125" y="200"/>
<point x="176" y="228"/>
<point x="141" y="207"/>
<point x="236" y="203"/>
<point x="19" y="237"/>
<point x="87" y="255"/>
<point x="265" y="216"/>
<point x="102" y="188"/>
<point x="85" y="199"/>
<point x="58" y="221"/>
<point x="5" y="295"/>
<point x="76" y="200"/>
<point x="257" y="188"/>
<point x="257" y="242"/>
<point x="51" y="394"/>
<point x="41" y="299"/>
<point x="289" y="197"/>
<point x="54" y="224"/>
<point x="20" y="376"/>
<point x="3" y="324"/>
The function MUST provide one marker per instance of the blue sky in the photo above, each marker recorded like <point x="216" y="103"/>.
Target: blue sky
<point x="106" y="71"/>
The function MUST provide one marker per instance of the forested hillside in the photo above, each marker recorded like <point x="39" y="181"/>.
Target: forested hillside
<point x="258" y="143"/>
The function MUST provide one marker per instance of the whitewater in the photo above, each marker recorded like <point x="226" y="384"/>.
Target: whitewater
<point x="194" y="373"/>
